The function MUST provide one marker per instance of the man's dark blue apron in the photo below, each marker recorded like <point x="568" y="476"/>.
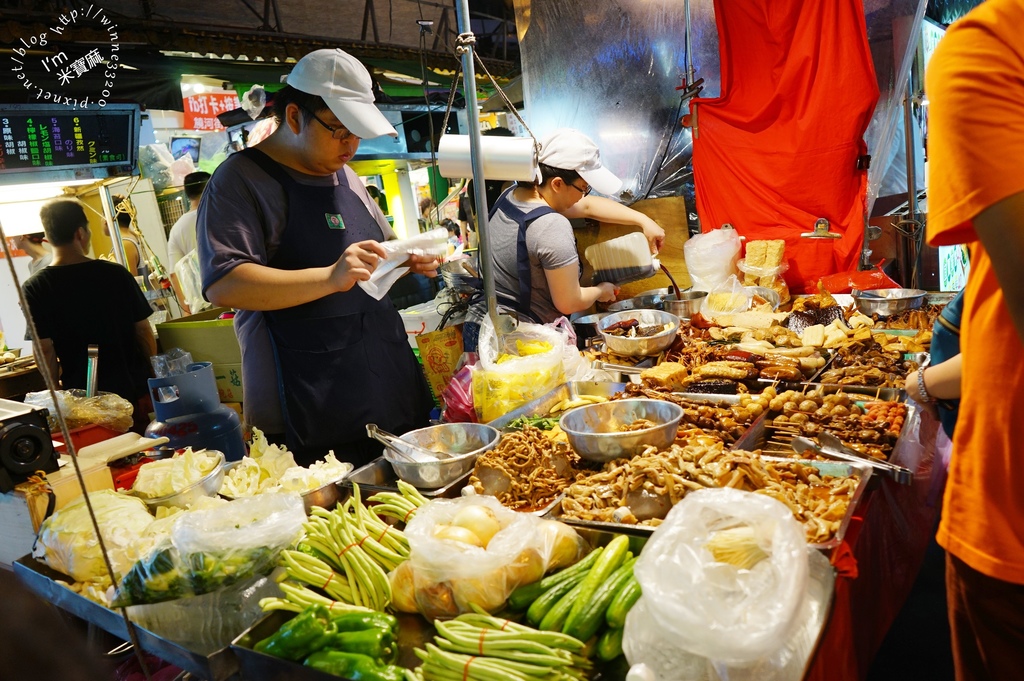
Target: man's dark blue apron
<point x="342" y="361"/>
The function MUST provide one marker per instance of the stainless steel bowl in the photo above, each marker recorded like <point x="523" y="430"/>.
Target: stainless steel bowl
<point x="640" y="347"/>
<point x="326" y="496"/>
<point x="644" y="302"/>
<point x="686" y="304"/>
<point x="772" y="296"/>
<point x="207" y="486"/>
<point x="464" y="441"/>
<point x="593" y="430"/>
<point x="886" y="302"/>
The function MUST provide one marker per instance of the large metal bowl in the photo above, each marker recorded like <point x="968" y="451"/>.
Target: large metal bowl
<point x="886" y="302"/>
<point x="651" y="301"/>
<point x="593" y="430"/>
<point x="464" y="441"/>
<point x="206" y="486"/>
<point x="326" y="496"/>
<point x="640" y="347"/>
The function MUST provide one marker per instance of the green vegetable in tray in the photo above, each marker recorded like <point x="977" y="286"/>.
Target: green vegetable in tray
<point x="360" y="621"/>
<point x="306" y="633"/>
<point x="376" y="643"/>
<point x="541" y="422"/>
<point x="353" y="666"/>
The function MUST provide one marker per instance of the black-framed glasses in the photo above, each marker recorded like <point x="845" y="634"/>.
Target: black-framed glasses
<point x="339" y="133"/>
<point x="581" y="191"/>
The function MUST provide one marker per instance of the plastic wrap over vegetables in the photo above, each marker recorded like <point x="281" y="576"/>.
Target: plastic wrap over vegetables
<point x="725" y="577"/>
<point x="473" y="550"/>
<point x="211" y="548"/>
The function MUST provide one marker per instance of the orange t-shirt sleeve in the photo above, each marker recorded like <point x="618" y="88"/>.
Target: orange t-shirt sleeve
<point x="976" y="78"/>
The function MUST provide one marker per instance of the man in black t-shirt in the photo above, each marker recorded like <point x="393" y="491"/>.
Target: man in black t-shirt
<point x="78" y="301"/>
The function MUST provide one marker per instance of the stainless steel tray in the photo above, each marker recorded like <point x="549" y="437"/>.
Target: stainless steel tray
<point x="379" y="476"/>
<point x="413" y="632"/>
<point x="52" y="587"/>
<point x="862" y="473"/>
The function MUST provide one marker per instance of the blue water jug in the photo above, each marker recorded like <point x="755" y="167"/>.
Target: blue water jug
<point x="189" y="413"/>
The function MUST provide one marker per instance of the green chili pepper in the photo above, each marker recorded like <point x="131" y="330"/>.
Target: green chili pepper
<point x="353" y="666"/>
<point x="376" y="643"/>
<point x="359" y="621"/>
<point x="305" y="633"/>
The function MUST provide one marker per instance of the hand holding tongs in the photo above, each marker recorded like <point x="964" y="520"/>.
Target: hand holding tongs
<point x="832" y="447"/>
<point x="407" y="451"/>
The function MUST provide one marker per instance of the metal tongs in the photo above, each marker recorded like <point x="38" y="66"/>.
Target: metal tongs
<point x="832" y="447"/>
<point x="406" y="451"/>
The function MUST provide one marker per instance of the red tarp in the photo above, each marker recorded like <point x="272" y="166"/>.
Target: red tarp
<point x="779" y="148"/>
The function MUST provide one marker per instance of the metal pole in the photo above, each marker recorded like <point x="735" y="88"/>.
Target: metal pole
<point x="502" y="324"/>
<point x="690" y="74"/>
<point x="110" y="211"/>
<point x="908" y="139"/>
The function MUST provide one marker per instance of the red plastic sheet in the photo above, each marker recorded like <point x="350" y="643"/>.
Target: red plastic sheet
<point x="779" y="149"/>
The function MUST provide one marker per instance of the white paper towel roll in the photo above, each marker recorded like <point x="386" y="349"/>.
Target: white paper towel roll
<point x="504" y="158"/>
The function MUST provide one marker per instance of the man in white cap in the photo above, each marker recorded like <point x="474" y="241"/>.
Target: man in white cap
<point x="536" y="265"/>
<point x="285" y="230"/>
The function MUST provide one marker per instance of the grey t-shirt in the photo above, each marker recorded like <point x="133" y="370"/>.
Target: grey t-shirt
<point x="241" y="218"/>
<point x="551" y="245"/>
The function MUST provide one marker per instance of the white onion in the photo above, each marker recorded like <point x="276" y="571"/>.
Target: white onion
<point x="479" y="520"/>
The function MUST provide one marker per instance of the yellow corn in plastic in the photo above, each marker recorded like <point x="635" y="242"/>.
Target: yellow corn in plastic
<point x="534" y="347"/>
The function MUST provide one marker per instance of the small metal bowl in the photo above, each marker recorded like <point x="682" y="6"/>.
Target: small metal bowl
<point x="464" y="441"/>
<point x="686" y="304"/>
<point x="586" y="327"/>
<point x="207" y="486"/>
<point x="640" y="347"/>
<point x="645" y="302"/>
<point x="886" y="302"/>
<point x="772" y="296"/>
<point x="593" y="430"/>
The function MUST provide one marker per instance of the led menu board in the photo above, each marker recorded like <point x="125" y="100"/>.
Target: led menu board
<point x="47" y="142"/>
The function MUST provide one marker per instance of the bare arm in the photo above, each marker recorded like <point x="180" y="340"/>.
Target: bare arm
<point x="131" y="257"/>
<point x="567" y="294"/>
<point x="258" y="287"/>
<point x="50" y="357"/>
<point x="144" y="337"/>
<point x="606" y="210"/>
<point x="1000" y="228"/>
<point x="942" y="381"/>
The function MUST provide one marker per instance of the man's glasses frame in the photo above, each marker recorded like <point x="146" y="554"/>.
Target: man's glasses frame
<point x="339" y="133"/>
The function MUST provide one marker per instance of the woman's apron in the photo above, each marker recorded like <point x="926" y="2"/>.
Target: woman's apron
<point x="342" y="361"/>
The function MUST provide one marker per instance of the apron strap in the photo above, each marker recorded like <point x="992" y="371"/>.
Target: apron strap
<point x="524" y="219"/>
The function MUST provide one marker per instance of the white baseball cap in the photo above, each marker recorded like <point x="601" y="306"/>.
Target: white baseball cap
<point x="570" y="149"/>
<point x="345" y="86"/>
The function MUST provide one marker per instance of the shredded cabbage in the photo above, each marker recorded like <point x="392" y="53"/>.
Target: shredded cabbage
<point x="169" y="476"/>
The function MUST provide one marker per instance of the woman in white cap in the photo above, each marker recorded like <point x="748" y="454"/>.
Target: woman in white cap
<point x="536" y="265"/>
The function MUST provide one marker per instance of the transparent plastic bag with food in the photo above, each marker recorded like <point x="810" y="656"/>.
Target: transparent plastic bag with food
<point x="517" y="367"/>
<point x="729" y="297"/>
<point x="474" y="551"/>
<point x="105" y="409"/>
<point x="725" y="578"/>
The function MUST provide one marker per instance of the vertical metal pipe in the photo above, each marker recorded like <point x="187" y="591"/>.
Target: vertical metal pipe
<point x="914" y="244"/>
<point x="110" y="210"/>
<point x="690" y="74"/>
<point x="479" y="188"/>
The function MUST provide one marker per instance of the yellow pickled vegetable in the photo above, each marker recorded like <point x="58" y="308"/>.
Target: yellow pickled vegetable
<point x="736" y="546"/>
<point x="534" y="347"/>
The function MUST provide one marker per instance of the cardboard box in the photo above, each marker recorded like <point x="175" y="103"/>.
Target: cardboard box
<point x="22" y="510"/>
<point x="229" y="381"/>
<point x="208" y="339"/>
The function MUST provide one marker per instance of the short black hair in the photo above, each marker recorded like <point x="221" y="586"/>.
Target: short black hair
<point x="61" y="219"/>
<point x="308" y="104"/>
<point x="195" y="183"/>
<point x="547" y="172"/>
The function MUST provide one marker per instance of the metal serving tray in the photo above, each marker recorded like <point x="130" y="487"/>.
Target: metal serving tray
<point x="379" y="476"/>
<point x="836" y="468"/>
<point x="51" y="586"/>
<point x="413" y="632"/>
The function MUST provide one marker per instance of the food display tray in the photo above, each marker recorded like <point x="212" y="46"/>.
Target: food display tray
<point x="836" y="468"/>
<point x="413" y="632"/>
<point x="379" y="476"/>
<point x="53" y="587"/>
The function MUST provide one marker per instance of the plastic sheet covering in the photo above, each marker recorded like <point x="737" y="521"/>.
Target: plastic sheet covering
<point x="610" y="70"/>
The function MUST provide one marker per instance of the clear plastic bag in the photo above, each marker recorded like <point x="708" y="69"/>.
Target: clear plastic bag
<point x="443" y="577"/>
<point x="711" y="258"/>
<point x="105" y="409"/>
<point x="517" y="367"/>
<point x="714" y="609"/>
<point x="212" y="548"/>
<point x="729" y="297"/>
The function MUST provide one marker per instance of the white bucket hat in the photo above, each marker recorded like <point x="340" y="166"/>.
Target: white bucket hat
<point x="345" y="86"/>
<point x="570" y="149"/>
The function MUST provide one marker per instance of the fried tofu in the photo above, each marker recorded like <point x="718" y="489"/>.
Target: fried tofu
<point x="668" y="375"/>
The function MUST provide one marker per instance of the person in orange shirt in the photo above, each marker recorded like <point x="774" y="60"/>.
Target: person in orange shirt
<point x="975" y="83"/>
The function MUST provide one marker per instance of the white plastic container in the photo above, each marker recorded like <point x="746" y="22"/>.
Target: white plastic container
<point x="622" y="259"/>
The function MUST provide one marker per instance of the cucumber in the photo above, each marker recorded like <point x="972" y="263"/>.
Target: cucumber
<point x="557" y="615"/>
<point x="523" y="596"/>
<point x="611" y="558"/>
<point x="609" y="646"/>
<point x="625" y="599"/>
<point x="540" y="607"/>
<point x="592" y="616"/>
